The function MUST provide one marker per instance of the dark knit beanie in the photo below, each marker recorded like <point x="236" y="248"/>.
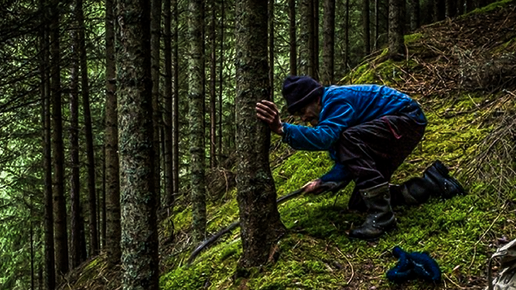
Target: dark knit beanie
<point x="298" y="91"/>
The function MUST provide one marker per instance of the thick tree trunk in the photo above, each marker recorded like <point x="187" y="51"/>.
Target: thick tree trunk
<point x="415" y="20"/>
<point x="138" y="199"/>
<point x="396" y="45"/>
<point x="261" y="226"/>
<point x="221" y="82"/>
<point x="175" y="103"/>
<point x="271" y="47"/>
<point x="111" y="140"/>
<point x="49" y="262"/>
<point x="328" y="42"/>
<point x="315" y="53"/>
<point x="75" y="196"/>
<point x="156" y="112"/>
<point x="60" y="228"/>
<point x="292" y="36"/>
<point x="304" y="37"/>
<point x="366" y="27"/>
<point x="346" y="37"/>
<point x="196" y="96"/>
<point x="213" y="93"/>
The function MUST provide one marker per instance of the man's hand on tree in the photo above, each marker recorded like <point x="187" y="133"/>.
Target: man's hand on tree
<point x="269" y="113"/>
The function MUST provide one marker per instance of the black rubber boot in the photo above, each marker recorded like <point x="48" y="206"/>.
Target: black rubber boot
<point x="436" y="182"/>
<point x="380" y="217"/>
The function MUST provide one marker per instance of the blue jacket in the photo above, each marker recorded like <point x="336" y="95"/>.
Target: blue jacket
<point x="344" y="107"/>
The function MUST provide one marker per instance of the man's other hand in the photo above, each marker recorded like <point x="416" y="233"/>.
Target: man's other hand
<point x="313" y="186"/>
<point x="269" y="113"/>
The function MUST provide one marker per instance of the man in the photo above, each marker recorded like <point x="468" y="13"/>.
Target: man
<point x="368" y="130"/>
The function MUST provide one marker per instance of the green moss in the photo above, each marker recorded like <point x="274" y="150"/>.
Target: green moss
<point x="490" y="7"/>
<point x="412" y="37"/>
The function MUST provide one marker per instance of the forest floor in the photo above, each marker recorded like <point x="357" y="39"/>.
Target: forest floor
<point x="462" y="73"/>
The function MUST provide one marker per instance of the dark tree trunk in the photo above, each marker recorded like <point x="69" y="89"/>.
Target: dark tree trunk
<point x="213" y="93"/>
<point x="197" y="120"/>
<point x="328" y="42"/>
<point x="346" y="37"/>
<point x="415" y="9"/>
<point x="439" y="10"/>
<point x="167" y="114"/>
<point x="60" y="228"/>
<point x="271" y="47"/>
<point x="75" y="195"/>
<point x="221" y="81"/>
<point x="92" y="195"/>
<point x="451" y="8"/>
<point x="261" y="226"/>
<point x="305" y="15"/>
<point x="156" y="113"/>
<point x="311" y="39"/>
<point x="111" y="141"/>
<point x="396" y="44"/>
<point x="138" y="199"/>
<point x="292" y="36"/>
<point x="175" y="103"/>
<point x="315" y="54"/>
<point x="365" y="26"/>
<point x="169" y="146"/>
<point x="50" y="280"/>
<point x="102" y="201"/>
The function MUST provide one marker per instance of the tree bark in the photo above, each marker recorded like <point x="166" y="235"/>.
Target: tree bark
<point x="271" y="47"/>
<point x="49" y="262"/>
<point x="75" y="214"/>
<point x="415" y="20"/>
<point x="90" y="152"/>
<point x="175" y="103"/>
<point x="328" y="42"/>
<point x="138" y="200"/>
<point x="261" y="226"/>
<point x="111" y="140"/>
<point x="292" y="36"/>
<point x="59" y="206"/>
<point x="213" y="93"/>
<point x="196" y="96"/>
<point x="156" y="114"/>
<point x="396" y="44"/>
<point x="366" y="27"/>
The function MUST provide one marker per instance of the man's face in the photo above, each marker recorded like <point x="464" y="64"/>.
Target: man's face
<point x="310" y="112"/>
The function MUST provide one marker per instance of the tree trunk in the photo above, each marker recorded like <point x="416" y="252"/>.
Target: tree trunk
<point x="156" y="114"/>
<point x="221" y="81"/>
<point x="315" y="54"/>
<point x="47" y="159"/>
<point x="271" y="47"/>
<point x="103" y="199"/>
<point x="75" y="194"/>
<point x="138" y="200"/>
<point x="415" y="20"/>
<point x="92" y="195"/>
<point x="60" y="228"/>
<point x="175" y="103"/>
<point x="213" y="93"/>
<point x="292" y="36"/>
<point x="311" y="39"/>
<point x="111" y="141"/>
<point x="451" y="8"/>
<point x="304" y="37"/>
<point x="196" y="121"/>
<point x="168" y="202"/>
<point x="261" y="226"/>
<point x="328" y="42"/>
<point x="346" y="38"/>
<point x="396" y="44"/>
<point x="365" y="26"/>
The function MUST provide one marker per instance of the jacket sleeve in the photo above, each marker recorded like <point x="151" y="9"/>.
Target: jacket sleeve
<point x="337" y="173"/>
<point x="325" y="134"/>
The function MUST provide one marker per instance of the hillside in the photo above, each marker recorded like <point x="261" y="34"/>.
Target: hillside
<point x="462" y="73"/>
